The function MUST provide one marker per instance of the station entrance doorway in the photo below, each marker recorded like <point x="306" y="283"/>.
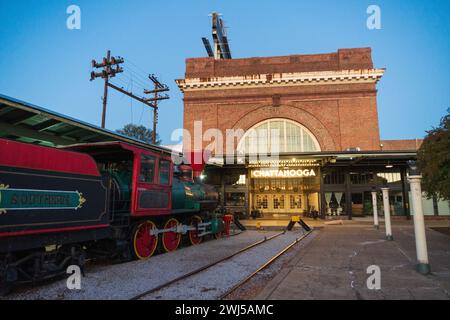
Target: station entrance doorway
<point x="284" y="196"/>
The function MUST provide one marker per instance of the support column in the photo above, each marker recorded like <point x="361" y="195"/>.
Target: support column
<point x="419" y="224"/>
<point x="322" y="201"/>
<point x="348" y="195"/>
<point x="405" y="194"/>
<point x="375" y="209"/>
<point x="387" y="213"/>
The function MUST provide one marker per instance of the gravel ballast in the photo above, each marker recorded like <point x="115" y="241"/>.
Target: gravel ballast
<point x="126" y="280"/>
<point x="217" y="280"/>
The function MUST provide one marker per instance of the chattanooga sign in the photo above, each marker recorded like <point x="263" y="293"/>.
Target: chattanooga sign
<point x="283" y="173"/>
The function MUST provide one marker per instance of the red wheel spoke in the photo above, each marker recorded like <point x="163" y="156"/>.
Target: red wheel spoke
<point x="144" y="243"/>
<point x="171" y="240"/>
<point x="193" y="234"/>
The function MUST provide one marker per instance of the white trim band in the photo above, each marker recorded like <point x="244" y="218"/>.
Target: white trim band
<point x="282" y="79"/>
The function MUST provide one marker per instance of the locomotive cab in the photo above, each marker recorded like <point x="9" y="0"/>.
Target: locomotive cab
<point x="140" y="180"/>
<point x="115" y="164"/>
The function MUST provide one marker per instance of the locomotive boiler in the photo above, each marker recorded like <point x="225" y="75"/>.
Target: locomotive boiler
<point x="59" y="206"/>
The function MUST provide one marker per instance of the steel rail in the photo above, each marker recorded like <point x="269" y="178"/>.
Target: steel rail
<point x="196" y="271"/>
<point x="265" y="265"/>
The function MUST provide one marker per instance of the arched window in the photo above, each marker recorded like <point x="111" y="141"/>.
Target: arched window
<point x="278" y="136"/>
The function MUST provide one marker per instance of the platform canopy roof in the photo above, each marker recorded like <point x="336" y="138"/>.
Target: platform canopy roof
<point x="325" y="158"/>
<point x="25" y="122"/>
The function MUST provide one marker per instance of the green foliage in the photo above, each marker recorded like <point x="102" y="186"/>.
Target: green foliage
<point x="139" y="132"/>
<point x="434" y="160"/>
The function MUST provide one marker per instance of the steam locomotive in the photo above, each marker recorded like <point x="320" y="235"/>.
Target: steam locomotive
<point x="59" y="206"/>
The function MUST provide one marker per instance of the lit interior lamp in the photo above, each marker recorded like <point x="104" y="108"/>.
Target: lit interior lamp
<point x="389" y="166"/>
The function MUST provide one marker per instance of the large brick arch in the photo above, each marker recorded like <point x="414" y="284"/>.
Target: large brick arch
<point x="299" y="115"/>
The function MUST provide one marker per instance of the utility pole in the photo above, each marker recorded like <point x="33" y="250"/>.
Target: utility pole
<point x="158" y="87"/>
<point x="108" y="72"/>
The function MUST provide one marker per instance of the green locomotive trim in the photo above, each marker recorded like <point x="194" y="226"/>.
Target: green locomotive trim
<point x="34" y="199"/>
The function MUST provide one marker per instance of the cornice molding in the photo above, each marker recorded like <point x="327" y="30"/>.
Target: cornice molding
<point x="282" y="79"/>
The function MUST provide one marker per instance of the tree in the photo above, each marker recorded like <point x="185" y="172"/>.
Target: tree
<point x="139" y="132"/>
<point x="434" y="160"/>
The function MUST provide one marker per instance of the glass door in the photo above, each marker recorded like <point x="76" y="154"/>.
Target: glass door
<point x="279" y="203"/>
<point x="335" y="203"/>
<point x="262" y="202"/>
<point x="295" y="203"/>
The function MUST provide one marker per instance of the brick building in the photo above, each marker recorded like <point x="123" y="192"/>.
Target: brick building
<point x="317" y="112"/>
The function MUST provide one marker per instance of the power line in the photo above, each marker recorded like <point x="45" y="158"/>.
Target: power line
<point x="138" y="67"/>
<point x="138" y="73"/>
<point x="132" y="76"/>
<point x="135" y="68"/>
<point x="142" y="113"/>
<point x="109" y="72"/>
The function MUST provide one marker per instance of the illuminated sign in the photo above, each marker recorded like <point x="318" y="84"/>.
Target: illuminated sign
<point x="283" y="173"/>
<point x="284" y="163"/>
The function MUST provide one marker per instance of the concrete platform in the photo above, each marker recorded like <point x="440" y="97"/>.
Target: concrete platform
<point x="272" y="224"/>
<point x="334" y="266"/>
<point x="280" y="224"/>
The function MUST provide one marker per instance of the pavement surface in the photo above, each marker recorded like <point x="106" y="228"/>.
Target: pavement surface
<point x="334" y="266"/>
<point x="279" y="224"/>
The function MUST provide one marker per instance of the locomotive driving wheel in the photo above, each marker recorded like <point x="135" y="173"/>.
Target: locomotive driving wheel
<point x="171" y="240"/>
<point x="193" y="234"/>
<point x="144" y="244"/>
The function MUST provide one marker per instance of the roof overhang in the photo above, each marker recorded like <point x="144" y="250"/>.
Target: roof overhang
<point x="334" y="158"/>
<point x="25" y="122"/>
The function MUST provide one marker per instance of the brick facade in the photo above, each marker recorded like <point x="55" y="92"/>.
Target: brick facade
<point x="333" y="95"/>
<point x="396" y="145"/>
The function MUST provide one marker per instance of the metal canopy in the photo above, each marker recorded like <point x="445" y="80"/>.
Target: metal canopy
<point x="25" y="122"/>
<point x="336" y="158"/>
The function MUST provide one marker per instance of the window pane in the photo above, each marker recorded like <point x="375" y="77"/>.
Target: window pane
<point x="164" y="167"/>
<point x="147" y="172"/>
<point x="262" y="138"/>
<point x="308" y="143"/>
<point x="261" y="201"/>
<point x="235" y="198"/>
<point x="293" y="138"/>
<point x="277" y="136"/>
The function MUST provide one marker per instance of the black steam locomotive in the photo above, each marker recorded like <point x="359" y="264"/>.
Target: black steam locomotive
<point x="60" y="206"/>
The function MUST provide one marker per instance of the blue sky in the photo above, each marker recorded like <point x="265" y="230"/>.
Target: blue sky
<point x="43" y="62"/>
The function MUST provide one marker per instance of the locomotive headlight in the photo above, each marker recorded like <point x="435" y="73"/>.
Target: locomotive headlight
<point x="202" y="176"/>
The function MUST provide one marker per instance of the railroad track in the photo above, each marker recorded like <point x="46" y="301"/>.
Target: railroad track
<point x="208" y="266"/>
<point x="265" y="265"/>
